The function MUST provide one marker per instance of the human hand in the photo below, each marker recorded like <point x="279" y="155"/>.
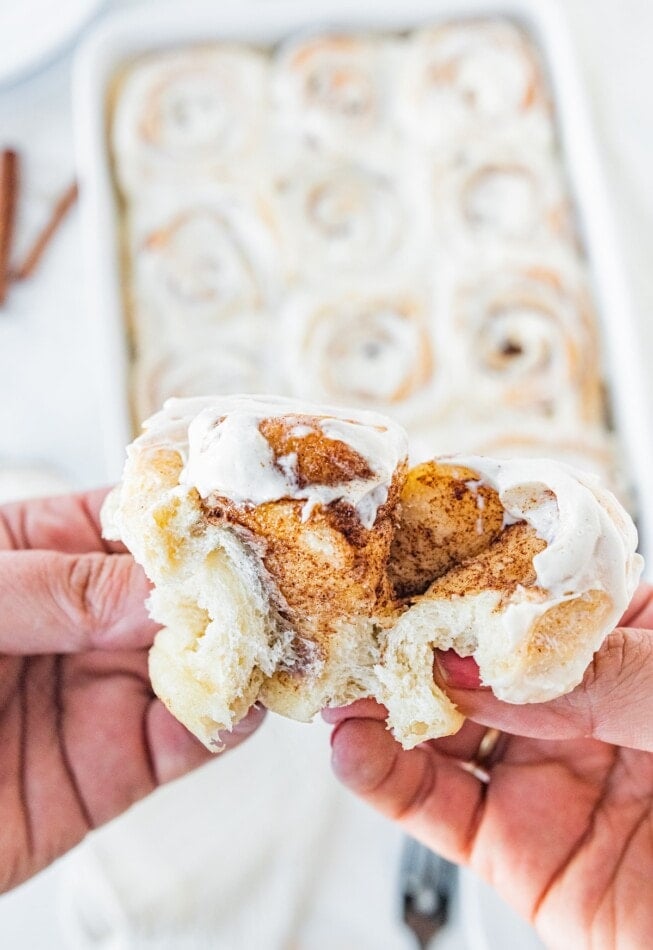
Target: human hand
<point x="82" y="736"/>
<point x="564" y="827"/>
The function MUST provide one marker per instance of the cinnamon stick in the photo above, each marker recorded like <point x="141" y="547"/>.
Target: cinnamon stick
<point x="9" y="184"/>
<point x="59" y="211"/>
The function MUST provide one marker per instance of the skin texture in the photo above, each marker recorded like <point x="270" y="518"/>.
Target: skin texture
<point x="82" y="735"/>
<point x="564" y="829"/>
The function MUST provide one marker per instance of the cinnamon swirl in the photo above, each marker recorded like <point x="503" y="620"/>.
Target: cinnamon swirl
<point x="500" y="194"/>
<point x="345" y="221"/>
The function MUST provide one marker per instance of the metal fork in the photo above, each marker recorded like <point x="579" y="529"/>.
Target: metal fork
<point x="427" y="884"/>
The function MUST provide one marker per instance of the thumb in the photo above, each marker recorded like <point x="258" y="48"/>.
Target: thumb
<point x="65" y="603"/>
<point x="614" y="702"/>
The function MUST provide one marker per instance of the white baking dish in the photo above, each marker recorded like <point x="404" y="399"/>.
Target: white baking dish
<point x="127" y="34"/>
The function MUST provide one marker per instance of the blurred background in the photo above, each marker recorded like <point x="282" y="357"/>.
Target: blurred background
<point x="222" y="860"/>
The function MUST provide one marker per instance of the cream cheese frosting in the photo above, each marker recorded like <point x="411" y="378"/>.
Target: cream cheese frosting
<point x="226" y="454"/>
<point x="587" y="543"/>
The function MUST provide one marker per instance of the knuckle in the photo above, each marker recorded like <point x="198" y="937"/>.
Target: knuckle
<point x="94" y="585"/>
<point x="624" y="658"/>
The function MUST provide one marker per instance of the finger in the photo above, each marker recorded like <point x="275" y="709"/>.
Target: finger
<point x="463" y="745"/>
<point x="361" y="709"/>
<point x="428" y="794"/>
<point x="640" y="610"/>
<point x="68" y="523"/>
<point x="64" y="603"/>
<point x="614" y="702"/>
<point x="174" y="751"/>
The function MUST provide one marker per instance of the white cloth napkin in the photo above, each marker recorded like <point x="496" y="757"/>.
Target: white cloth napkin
<point x="259" y="849"/>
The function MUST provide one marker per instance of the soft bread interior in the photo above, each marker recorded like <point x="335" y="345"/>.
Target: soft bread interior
<point x="221" y="636"/>
<point x="446" y="516"/>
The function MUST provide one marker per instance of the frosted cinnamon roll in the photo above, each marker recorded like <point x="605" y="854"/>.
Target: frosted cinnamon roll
<point x="296" y="562"/>
<point x="526" y="337"/>
<point x="254" y="517"/>
<point x="331" y="91"/>
<point x="502" y="193"/>
<point x="475" y="77"/>
<point x="191" y="111"/>
<point x="365" y="349"/>
<point x="552" y="565"/>
<point x="201" y="257"/>
<point x="344" y="219"/>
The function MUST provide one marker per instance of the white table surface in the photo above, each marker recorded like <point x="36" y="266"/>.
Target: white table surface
<point x="49" y="407"/>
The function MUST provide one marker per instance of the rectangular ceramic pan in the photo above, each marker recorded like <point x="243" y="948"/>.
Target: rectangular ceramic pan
<point x="125" y="35"/>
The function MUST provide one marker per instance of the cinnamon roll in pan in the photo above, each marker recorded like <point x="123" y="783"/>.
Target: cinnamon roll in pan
<point x="526" y="334"/>
<point x="296" y="561"/>
<point x="332" y="93"/>
<point x="364" y="348"/>
<point x="503" y="193"/>
<point x="201" y="257"/>
<point x="344" y="221"/>
<point x="183" y="113"/>
<point x="478" y="77"/>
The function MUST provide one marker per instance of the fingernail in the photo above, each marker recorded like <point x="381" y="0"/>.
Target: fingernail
<point x="457" y="671"/>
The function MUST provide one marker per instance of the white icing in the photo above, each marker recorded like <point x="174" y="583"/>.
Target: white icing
<point x="589" y="536"/>
<point x="225" y="453"/>
<point x="501" y="200"/>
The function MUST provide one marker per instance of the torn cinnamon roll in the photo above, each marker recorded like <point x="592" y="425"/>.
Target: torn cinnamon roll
<point x="296" y="561"/>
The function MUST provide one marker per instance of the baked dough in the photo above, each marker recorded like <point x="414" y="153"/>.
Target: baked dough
<point x="297" y="561"/>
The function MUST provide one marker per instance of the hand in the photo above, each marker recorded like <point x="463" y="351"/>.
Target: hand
<point x="82" y="736"/>
<point x="564" y="828"/>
